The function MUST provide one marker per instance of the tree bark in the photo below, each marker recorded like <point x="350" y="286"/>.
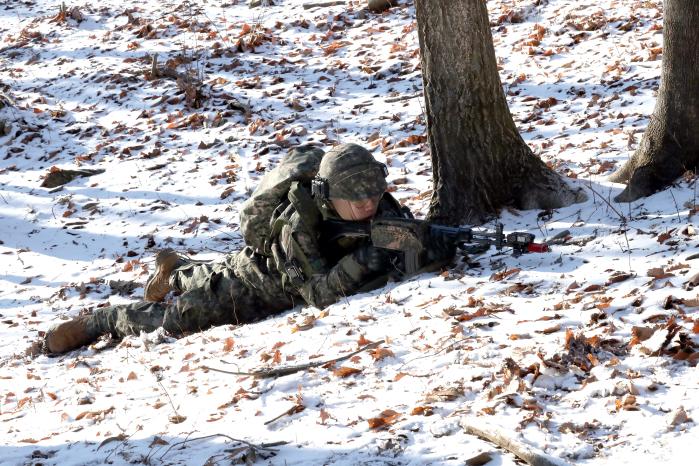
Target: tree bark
<point x="480" y="162"/>
<point x="670" y="145"/>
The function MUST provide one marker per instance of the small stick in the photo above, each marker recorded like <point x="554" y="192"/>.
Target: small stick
<point x="402" y="97"/>
<point x="288" y="370"/>
<point x="308" y="6"/>
<point x="500" y="437"/>
<point x="623" y="219"/>
<point x="293" y="410"/>
<point x="264" y="446"/>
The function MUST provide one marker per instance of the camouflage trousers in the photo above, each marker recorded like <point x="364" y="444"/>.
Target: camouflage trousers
<point x="212" y="295"/>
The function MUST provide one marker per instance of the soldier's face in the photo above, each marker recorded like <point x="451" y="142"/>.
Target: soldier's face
<point x="356" y="210"/>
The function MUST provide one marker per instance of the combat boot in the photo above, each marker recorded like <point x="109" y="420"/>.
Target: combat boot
<point x="71" y="334"/>
<point x="158" y="285"/>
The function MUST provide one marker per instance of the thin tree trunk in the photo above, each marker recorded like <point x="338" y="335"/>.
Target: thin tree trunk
<point x="670" y="145"/>
<point x="480" y="162"/>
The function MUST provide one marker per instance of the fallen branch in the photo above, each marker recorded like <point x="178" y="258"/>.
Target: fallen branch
<point x="402" y="97"/>
<point x="262" y="447"/>
<point x="288" y="370"/>
<point x="308" y="6"/>
<point x="501" y="438"/>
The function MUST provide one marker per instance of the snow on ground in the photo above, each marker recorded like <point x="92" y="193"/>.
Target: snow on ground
<point x="585" y="352"/>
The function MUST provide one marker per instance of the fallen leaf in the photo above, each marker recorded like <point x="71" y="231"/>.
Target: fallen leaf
<point x="324" y="416"/>
<point x="480" y="459"/>
<point x="228" y="344"/>
<point x="499" y="276"/>
<point x="659" y="273"/>
<point x="345" y="371"/>
<point x="422" y="411"/>
<point x="117" y="438"/>
<point x="385" y="419"/>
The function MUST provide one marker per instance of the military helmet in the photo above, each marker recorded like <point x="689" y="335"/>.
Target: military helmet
<point x="350" y="172"/>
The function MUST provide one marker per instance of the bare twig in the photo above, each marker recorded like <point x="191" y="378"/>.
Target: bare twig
<point x="293" y="410"/>
<point x="288" y="370"/>
<point x="623" y="219"/>
<point x="436" y="353"/>
<point x="500" y="437"/>
<point x="677" y="208"/>
<point x="308" y="6"/>
<point x="402" y="97"/>
<point x="262" y="447"/>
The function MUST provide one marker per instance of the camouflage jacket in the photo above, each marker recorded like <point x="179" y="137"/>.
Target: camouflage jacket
<point x="304" y="263"/>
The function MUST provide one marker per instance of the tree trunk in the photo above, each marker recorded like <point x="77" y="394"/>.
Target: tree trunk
<point x="480" y="162"/>
<point x="670" y="145"/>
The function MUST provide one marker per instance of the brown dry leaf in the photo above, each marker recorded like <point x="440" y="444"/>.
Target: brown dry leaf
<point x="28" y="440"/>
<point x="691" y="302"/>
<point x="132" y="376"/>
<point x="365" y="318"/>
<point x="499" y="276"/>
<point x="627" y="404"/>
<point x="324" y="416"/>
<point x="665" y="236"/>
<point x="658" y="273"/>
<point x="379" y="353"/>
<point x="639" y="334"/>
<point x="334" y="47"/>
<point x="399" y="376"/>
<point x="618" y="277"/>
<point x="177" y="418"/>
<point x="678" y="266"/>
<point x="307" y="324"/>
<point x="411" y="140"/>
<point x="385" y="419"/>
<point x="480" y="460"/>
<point x="363" y="341"/>
<point x="344" y="371"/>
<point x="422" y="411"/>
<point x="117" y="438"/>
<point x="679" y="416"/>
<point x="572" y="286"/>
<point x="444" y="394"/>
<point x="550" y="330"/>
<point x="593" y="288"/>
<point x="228" y="344"/>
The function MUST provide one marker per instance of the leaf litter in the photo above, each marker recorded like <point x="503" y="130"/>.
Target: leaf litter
<point x="183" y="138"/>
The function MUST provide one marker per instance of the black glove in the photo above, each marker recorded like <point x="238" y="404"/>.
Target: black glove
<point x="440" y="248"/>
<point x="374" y="259"/>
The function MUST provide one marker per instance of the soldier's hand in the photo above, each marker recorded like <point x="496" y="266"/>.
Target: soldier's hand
<point x="440" y="248"/>
<point x="374" y="259"/>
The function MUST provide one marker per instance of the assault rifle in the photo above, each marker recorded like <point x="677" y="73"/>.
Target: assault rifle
<point x="410" y="239"/>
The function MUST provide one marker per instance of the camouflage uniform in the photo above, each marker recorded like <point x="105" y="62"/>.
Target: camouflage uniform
<point x="248" y="286"/>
